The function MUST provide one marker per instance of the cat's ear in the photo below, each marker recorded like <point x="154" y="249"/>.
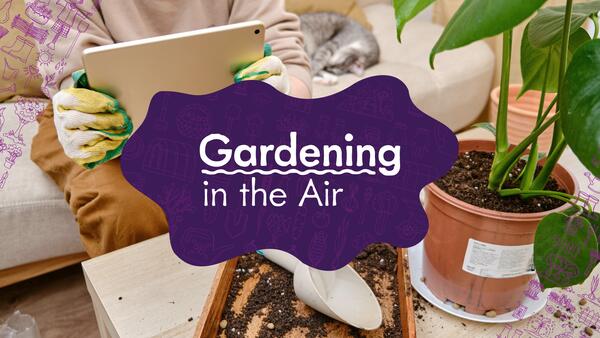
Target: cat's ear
<point x="357" y="69"/>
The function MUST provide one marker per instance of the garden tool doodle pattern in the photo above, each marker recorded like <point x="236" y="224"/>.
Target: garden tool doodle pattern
<point x="71" y="11"/>
<point x="12" y="145"/>
<point x="543" y="324"/>
<point x="9" y="73"/>
<point x="21" y="49"/>
<point x="18" y="50"/>
<point x="29" y="29"/>
<point x="27" y="112"/>
<point x="68" y="23"/>
<point x="5" y="11"/>
<point x="39" y="12"/>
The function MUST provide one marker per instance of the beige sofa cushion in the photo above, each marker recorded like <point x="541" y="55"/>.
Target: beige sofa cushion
<point x="349" y="8"/>
<point x="35" y="221"/>
<point x="455" y="93"/>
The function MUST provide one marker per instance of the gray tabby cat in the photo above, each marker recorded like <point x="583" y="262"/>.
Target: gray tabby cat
<point x="337" y="45"/>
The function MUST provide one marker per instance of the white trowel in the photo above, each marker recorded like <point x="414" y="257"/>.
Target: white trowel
<point x="341" y="294"/>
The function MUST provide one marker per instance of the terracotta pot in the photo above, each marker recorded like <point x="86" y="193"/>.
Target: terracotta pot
<point x="453" y="222"/>
<point x="522" y="114"/>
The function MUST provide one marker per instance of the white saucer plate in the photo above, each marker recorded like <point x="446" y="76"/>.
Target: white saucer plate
<point x="415" y="259"/>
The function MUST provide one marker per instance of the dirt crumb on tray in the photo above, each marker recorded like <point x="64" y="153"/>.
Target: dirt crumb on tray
<point x="262" y="302"/>
<point x="467" y="180"/>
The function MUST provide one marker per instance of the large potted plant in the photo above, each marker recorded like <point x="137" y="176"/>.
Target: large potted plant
<point x="500" y="201"/>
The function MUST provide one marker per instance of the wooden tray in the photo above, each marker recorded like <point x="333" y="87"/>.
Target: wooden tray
<point x="208" y="325"/>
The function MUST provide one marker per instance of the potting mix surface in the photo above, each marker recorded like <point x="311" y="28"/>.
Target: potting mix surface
<point x="262" y="303"/>
<point x="467" y="180"/>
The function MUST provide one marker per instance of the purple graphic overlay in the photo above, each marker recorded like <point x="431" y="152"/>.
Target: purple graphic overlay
<point x="316" y="197"/>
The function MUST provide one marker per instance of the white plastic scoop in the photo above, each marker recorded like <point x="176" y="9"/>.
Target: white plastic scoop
<point x="342" y="294"/>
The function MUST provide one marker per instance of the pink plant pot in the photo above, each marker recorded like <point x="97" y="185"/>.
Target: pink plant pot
<point x="522" y="114"/>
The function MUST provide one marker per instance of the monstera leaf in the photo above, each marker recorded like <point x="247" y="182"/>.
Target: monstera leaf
<point x="580" y="105"/>
<point x="534" y="61"/>
<point x="546" y="28"/>
<point x="478" y="19"/>
<point x="406" y="10"/>
<point x="565" y="250"/>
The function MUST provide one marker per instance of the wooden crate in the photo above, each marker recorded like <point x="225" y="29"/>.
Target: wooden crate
<point x="208" y="325"/>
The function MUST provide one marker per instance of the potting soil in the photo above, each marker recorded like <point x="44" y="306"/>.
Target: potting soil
<point x="262" y="303"/>
<point x="467" y="180"/>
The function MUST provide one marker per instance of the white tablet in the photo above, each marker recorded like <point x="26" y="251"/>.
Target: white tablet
<point x="196" y="62"/>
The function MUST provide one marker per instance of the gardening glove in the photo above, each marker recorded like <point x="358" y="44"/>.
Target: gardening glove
<point x="270" y="69"/>
<point x="91" y="126"/>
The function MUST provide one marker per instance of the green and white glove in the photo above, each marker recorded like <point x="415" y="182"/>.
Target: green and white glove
<point x="270" y="69"/>
<point x="91" y="126"/>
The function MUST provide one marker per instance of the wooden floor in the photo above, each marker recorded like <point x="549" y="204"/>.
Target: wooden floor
<point x="59" y="301"/>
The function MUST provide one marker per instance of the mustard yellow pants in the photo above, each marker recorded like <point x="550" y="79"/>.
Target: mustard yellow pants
<point x="110" y="212"/>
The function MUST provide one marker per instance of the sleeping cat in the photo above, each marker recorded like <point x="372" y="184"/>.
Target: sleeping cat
<point x="337" y="45"/>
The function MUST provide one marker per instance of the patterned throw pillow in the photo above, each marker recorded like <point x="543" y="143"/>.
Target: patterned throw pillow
<point x="18" y="52"/>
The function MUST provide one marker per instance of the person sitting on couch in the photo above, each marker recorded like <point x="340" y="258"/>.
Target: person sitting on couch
<point x="111" y="213"/>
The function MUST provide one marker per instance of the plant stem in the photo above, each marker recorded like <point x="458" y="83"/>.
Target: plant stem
<point x="554" y="194"/>
<point x="557" y="135"/>
<point x="549" y="193"/>
<point x="596" y="26"/>
<point x="501" y="120"/>
<point x="558" y="139"/>
<point x="500" y="169"/>
<point x="499" y="178"/>
<point x="531" y="166"/>
<point x="549" y="109"/>
<point x="542" y="178"/>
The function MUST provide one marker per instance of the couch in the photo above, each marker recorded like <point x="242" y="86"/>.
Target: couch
<point x="37" y="231"/>
<point x="455" y="93"/>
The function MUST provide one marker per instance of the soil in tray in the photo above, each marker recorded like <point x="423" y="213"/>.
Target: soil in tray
<point x="468" y="180"/>
<point x="262" y="302"/>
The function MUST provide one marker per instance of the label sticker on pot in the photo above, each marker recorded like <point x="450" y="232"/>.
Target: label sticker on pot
<point x="498" y="261"/>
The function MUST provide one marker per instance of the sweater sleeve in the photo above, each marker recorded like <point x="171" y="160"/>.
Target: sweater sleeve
<point x="71" y="28"/>
<point x="282" y="33"/>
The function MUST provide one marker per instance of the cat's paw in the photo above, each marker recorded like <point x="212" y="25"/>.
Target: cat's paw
<point x="324" y="78"/>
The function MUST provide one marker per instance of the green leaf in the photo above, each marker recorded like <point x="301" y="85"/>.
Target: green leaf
<point x="563" y="250"/>
<point x="406" y="10"/>
<point x="487" y="126"/>
<point x="478" y="19"/>
<point x="580" y="105"/>
<point x="547" y="25"/>
<point x="533" y="61"/>
<point x="592" y="217"/>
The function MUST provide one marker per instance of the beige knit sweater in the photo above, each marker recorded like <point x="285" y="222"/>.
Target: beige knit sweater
<point x="75" y="25"/>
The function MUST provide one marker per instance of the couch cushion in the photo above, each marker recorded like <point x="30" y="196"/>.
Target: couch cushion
<point x="349" y="8"/>
<point x="35" y="221"/>
<point x="455" y="93"/>
<point x="18" y="50"/>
